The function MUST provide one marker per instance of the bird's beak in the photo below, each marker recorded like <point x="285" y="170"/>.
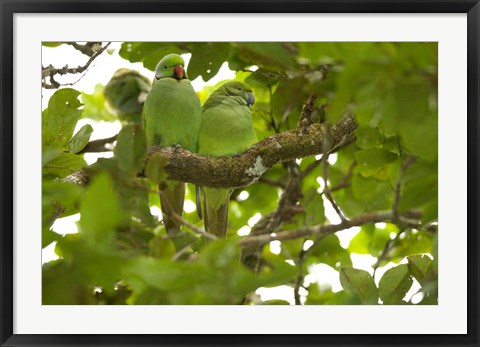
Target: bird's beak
<point x="250" y="99"/>
<point x="179" y="71"/>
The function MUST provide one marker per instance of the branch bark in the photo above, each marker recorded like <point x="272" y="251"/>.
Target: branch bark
<point x="246" y="168"/>
<point x="97" y="146"/>
<point x="50" y="71"/>
<point x="318" y="230"/>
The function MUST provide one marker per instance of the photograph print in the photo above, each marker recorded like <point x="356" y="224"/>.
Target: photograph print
<point x="239" y="173"/>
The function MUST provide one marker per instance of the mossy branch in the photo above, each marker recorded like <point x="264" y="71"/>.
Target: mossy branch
<point x="247" y="167"/>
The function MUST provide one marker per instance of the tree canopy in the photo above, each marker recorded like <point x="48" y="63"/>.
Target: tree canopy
<point x="348" y="138"/>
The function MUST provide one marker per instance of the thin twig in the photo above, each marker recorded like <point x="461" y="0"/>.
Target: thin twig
<point x="326" y="189"/>
<point x="90" y="48"/>
<point x="273" y="123"/>
<point x="311" y="167"/>
<point x="309" y="113"/>
<point x="388" y="246"/>
<point x="272" y="182"/>
<point x="345" y="181"/>
<point x="189" y="225"/>
<point x="406" y="164"/>
<point x="50" y="71"/>
<point x="300" y="276"/>
<point x="181" y="252"/>
<point x="96" y="146"/>
<point x="318" y="230"/>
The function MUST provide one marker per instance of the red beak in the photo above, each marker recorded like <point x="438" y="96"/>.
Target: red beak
<point x="179" y="72"/>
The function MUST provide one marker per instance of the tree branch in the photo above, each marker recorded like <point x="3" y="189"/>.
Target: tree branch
<point x="50" y="71"/>
<point x="409" y="161"/>
<point x="246" y="168"/>
<point x="318" y="230"/>
<point x="326" y="189"/>
<point x="90" y="48"/>
<point x="97" y="146"/>
<point x="287" y="208"/>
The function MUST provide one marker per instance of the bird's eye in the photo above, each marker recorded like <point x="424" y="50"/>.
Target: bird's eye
<point x="239" y="88"/>
<point x="165" y="66"/>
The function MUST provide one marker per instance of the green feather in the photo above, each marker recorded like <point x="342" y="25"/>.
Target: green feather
<point x="227" y="128"/>
<point x="172" y="116"/>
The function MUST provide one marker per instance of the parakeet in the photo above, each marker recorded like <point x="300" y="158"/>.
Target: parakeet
<point x="125" y="94"/>
<point x="172" y="116"/>
<point x="227" y="128"/>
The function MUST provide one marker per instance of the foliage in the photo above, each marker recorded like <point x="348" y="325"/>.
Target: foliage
<point x="122" y="254"/>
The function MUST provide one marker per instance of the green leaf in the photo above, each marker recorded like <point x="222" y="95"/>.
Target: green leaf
<point x="63" y="165"/>
<point x="435" y="247"/>
<point x="150" y="53"/>
<point x="275" y="302"/>
<point x="91" y="264"/>
<point x="368" y="106"/>
<point x="94" y="105"/>
<point x="61" y="286"/>
<point x="368" y="137"/>
<point x="56" y="195"/>
<point x="371" y="161"/>
<point x="80" y="139"/>
<point x="360" y="283"/>
<point x="52" y="44"/>
<point x="328" y="251"/>
<point x="131" y="149"/>
<point x="327" y="297"/>
<point x="100" y="212"/>
<point x="375" y="194"/>
<point x="279" y="273"/>
<point x="349" y="81"/>
<point x="370" y="240"/>
<point x="262" y="78"/>
<point x="394" y="284"/>
<point x="284" y="101"/>
<point x="364" y="188"/>
<point x="207" y="58"/>
<point x="320" y="52"/>
<point x="417" y="119"/>
<point x="59" y="120"/>
<point x="50" y="152"/>
<point x="270" y="55"/>
<point x="134" y="198"/>
<point x="418" y="265"/>
<point x="49" y="236"/>
<point x="315" y="210"/>
<point x="155" y="169"/>
<point x="161" y="247"/>
<point x="418" y="192"/>
<point x="418" y="54"/>
<point x="164" y="274"/>
<point x="412" y="243"/>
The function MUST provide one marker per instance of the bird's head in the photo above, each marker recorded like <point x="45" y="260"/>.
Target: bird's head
<point x="239" y="89"/>
<point x="171" y="65"/>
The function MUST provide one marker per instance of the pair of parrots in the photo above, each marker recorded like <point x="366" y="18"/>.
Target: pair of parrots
<point x="172" y="115"/>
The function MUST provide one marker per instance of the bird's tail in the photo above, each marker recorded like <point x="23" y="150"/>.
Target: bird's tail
<point x="171" y="200"/>
<point x="216" y="219"/>
<point x="199" y="202"/>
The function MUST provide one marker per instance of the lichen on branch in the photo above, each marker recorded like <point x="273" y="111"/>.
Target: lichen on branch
<point x="247" y="167"/>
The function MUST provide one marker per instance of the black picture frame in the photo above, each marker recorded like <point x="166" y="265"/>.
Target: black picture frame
<point x="9" y="7"/>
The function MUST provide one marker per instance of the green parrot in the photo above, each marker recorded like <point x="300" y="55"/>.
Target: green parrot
<point x="172" y="115"/>
<point x="227" y="128"/>
<point x="125" y="94"/>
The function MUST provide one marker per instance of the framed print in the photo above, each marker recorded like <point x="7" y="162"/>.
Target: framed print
<point x="239" y="173"/>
